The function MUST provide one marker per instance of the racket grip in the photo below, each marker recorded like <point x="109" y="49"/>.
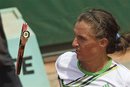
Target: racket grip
<point x="19" y="65"/>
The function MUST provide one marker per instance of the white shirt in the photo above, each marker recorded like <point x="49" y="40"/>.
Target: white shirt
<point x="68" y="70"/>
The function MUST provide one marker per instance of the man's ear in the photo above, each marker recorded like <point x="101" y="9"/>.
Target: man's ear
<point x="103" y="42"/>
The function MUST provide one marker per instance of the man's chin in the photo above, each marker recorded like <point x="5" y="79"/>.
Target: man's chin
<point x="78" y="57"/>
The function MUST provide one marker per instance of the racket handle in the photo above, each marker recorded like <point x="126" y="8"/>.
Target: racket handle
<point x="19" y="65"/>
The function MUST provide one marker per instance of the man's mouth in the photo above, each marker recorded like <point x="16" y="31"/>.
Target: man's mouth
<point x="77" y="51"/>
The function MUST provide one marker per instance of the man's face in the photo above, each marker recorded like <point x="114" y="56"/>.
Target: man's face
<point x="86" y="45"/>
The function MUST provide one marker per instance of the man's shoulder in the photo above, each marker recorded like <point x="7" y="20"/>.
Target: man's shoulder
<point x="66" y="67"/>
<point x="122" y="70"/>
<point x="68" y="54"/>
<point x="67" y="58"/>
<point x="121" y="67"/>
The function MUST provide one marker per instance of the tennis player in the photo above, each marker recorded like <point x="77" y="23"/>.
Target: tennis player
<point x="96" y="36"/>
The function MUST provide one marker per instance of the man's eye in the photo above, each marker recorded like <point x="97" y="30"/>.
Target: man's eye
<point x="81" y="38"/>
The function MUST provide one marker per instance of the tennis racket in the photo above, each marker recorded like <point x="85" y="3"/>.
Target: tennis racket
<point x="23" y="39"/>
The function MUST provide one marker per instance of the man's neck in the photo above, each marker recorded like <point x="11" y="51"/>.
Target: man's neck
<point x="96" y="65"/>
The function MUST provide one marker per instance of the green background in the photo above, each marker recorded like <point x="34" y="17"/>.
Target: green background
<point x="53" y="20"/>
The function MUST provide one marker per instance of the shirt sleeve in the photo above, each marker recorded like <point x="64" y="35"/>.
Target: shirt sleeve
<point x="127" y="79"/>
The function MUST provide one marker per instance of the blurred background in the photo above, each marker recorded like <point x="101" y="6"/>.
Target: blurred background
<point x="52" y="21"/>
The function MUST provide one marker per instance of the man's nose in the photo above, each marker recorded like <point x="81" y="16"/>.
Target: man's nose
<point x="75" y="43"/>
